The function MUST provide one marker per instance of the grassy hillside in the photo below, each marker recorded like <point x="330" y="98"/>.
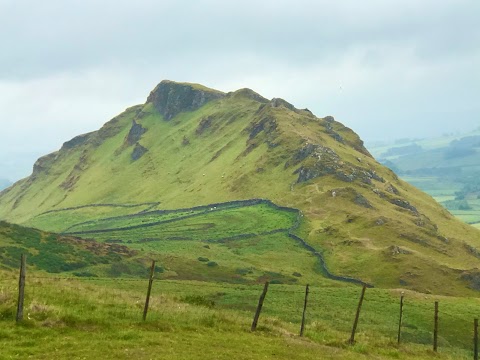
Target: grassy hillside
<point x="189" y="146"/>
<point x="91" y="319"/>
<point x="65" y="254"/>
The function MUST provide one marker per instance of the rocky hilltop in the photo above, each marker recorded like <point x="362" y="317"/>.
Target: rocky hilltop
<point x="170" y="99"/>
<point x="189" y="145"/>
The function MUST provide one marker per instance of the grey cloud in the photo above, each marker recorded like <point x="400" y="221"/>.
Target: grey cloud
<point x="54" y="36"/>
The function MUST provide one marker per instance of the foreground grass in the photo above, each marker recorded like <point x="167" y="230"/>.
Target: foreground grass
<point x="67" y="318"/>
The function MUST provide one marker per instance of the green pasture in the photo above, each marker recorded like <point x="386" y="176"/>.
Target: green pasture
<point x="443" y="191"/>
<point x="233" y="243"/>
<point x="209" y="225"/>
<point x="442" y="198"/>
<point x="434" y="186"/>
<point x="468" y="216"/>
<point x="62" y="219"/>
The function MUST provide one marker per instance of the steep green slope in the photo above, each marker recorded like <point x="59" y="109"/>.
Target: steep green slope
<point x="189" y="146"/>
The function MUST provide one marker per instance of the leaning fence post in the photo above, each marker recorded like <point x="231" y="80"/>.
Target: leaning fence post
<point x="150" y="282"/>
<point x="400" y="319"/>
<point x="259" y="307"/>
<point x="357" y="315"/>
<point x="21" y="288"/>
<point x="475" y="339"/>
<point x="435" y="329"/>
<point x="302" y="328"/>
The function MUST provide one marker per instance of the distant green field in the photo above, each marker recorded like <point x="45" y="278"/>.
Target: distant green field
<point x="432" y="185"/>
<point x="468" y="216"/>
<point x="444" y="191"/>
<point x="442" y="198"/>
<point x="209" y="224"/>
<point x="447" y="168"/>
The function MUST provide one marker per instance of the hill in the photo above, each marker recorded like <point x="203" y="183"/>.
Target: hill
<point x="189" y="146"/>
<point x="448" y="168"/>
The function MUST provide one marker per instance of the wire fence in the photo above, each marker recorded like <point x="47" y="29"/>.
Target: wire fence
<point x="327" y="306"/>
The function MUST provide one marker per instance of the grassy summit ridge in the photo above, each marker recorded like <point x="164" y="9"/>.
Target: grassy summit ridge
<point x="189" y="146"/>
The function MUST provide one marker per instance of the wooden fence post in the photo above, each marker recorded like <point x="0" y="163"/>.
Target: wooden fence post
<point x="400" y="319"/>
<point x="21" y="288"/>
<point x="357" y="315"/>
<point x="302" y="328"/>
<point x="475" y="339"/>
<point x="259" y="307"/>
<point x="435" y="329"/>
<point x="150" y="282"/>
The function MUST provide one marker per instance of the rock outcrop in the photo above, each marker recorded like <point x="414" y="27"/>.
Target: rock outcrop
<point x="138" y="152"/>
<point x="171" y="98"/>
<point x="77" y="141"/>
<point x="135" y="133"/>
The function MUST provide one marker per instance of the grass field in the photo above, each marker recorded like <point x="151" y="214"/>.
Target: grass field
<point x="444" y="191"/>
<point x="221" y="222"/>
<point x="241" y="242"/>
<point x="101" y="318"/>
<point x="61" y="219"/>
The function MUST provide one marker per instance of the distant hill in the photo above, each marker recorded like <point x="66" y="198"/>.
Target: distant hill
<point x="448" y="168"/>
<point x="4" y="183"/>
<point x="189" y="145"/>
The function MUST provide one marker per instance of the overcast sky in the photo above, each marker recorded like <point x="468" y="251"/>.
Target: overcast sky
<point x="385" y="68"/>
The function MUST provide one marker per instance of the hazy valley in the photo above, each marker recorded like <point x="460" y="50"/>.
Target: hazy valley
<point x="447" y="168"/>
